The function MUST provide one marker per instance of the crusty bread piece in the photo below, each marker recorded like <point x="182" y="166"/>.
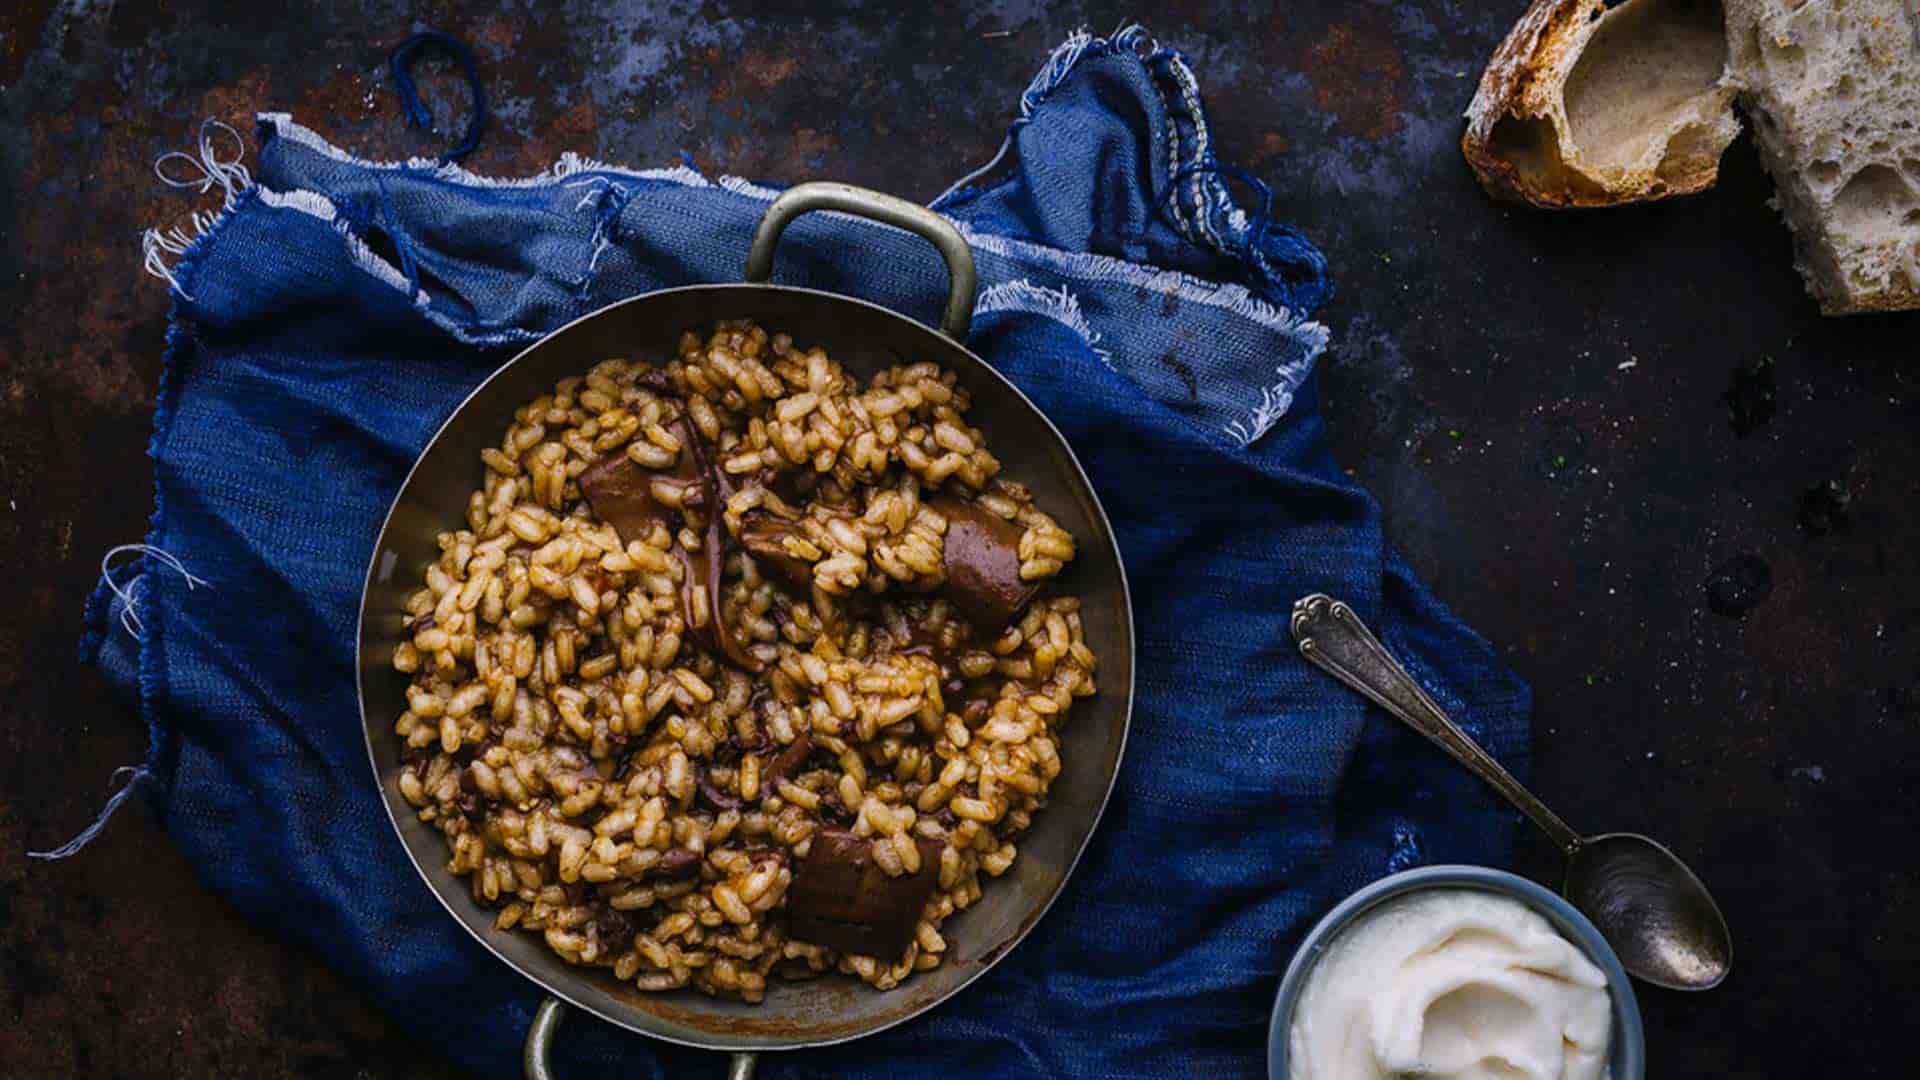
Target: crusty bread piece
<point x="1589" y="105"/>
<point x="1833" y="89"/>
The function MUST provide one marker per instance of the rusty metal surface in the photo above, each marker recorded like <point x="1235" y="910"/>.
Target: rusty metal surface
<point x="1540" y="402"/>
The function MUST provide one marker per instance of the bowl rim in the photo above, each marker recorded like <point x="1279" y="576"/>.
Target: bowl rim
<point x="1626" y="1054"/>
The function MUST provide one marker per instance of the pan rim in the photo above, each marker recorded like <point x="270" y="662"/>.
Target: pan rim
<point x="753" y="1043"/>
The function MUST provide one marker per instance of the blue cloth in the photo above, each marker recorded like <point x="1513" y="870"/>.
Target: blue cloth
<point x="332" y="317"/>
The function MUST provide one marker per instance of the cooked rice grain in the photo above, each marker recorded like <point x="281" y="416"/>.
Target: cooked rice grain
<point x="603" y="778"/>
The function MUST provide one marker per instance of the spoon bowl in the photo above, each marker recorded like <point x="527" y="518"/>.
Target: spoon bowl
<point x="1655" y="913"/>
<point x="1652" y="909"/>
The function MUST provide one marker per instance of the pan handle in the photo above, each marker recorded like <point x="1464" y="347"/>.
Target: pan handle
<point x="536" y="1060"/>
<point x="929" y="226"/>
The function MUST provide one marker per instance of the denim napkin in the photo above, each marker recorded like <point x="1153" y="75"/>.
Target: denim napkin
<point x="330" y="318"/>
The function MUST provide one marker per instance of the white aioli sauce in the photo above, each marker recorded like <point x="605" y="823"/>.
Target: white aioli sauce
<point x="1453" y="983"/>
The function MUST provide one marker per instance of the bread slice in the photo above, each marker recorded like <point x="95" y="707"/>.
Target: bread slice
<point x="1833" y="90"/>
<point x="1586" y="104"/>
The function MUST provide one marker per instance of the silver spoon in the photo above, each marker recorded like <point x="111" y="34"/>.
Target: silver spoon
<point x="1644" y="900"/>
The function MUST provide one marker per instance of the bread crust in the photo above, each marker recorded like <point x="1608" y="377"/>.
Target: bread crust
<point x="1519" y="82"/>
<point x="1524" y="86"/>
<point x="1898" y="297"/>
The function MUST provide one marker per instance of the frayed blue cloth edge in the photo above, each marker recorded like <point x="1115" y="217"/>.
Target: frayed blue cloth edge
<point x="1276" y="395"/>
<point x="151" y="677"/>
<point x="1247" y="241"/>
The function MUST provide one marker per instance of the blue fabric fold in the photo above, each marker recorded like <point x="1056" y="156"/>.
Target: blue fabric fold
<point x="339" y="309"/>
<point x="1144" y="185"/>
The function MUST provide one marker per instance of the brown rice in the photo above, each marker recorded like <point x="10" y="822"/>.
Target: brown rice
<point x="609" y="780"/>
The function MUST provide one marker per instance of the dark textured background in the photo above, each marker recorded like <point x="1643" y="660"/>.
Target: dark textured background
<point x="1539" y="402"/>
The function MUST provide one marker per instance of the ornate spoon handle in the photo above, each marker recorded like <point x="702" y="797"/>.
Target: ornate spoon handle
<point x="1334" y="639"/>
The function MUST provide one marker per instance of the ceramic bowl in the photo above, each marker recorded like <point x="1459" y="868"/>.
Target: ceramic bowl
<point x="1627" y="1056"/>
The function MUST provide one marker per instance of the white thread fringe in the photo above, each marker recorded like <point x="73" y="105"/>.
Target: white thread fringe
<point x="1059" y="305"/>
<point x="1274" y="401"/>
<point x="1058" y="64"/>
<point x="136" y="775"/>
<point x="130" y="618"/>
<point x="206" y="172"/>
<point x="230" y="177"/>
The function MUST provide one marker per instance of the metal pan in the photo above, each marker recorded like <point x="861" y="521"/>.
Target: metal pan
<point x="864" y="338"/>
